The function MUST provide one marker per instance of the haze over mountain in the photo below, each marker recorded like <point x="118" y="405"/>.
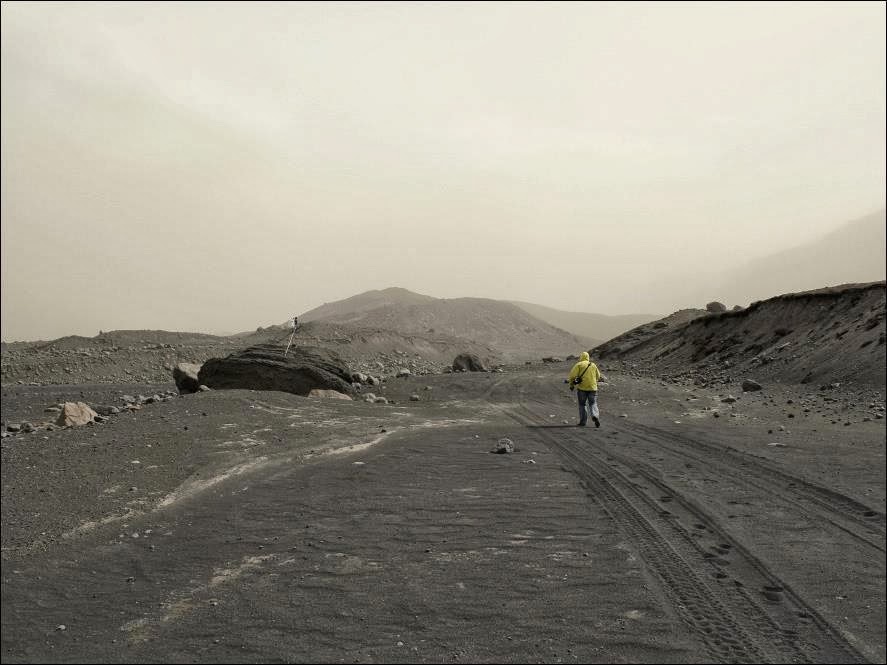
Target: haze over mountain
<point x="280" y="155"/>
<point x="585" y="324"/>
<point x="504" y="326"/>
<point x="853" y="253"/>
<point x="592" y="328"/>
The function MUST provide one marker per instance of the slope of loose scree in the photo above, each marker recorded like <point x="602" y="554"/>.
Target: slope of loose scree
<point x="835" y="334"/>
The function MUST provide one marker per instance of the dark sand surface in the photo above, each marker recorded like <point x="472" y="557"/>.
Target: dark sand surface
<point x="237" y="526"/>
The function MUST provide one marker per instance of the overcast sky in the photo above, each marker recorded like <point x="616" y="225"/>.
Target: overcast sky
<point x="215" y="167"/>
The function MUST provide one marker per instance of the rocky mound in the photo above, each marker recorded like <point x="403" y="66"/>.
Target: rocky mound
<point x="505" y="328"/>
<point x="127" y="356"/>
<point x="468" y="362"/>
<point x="621" y="346"/>
<point x="342" y="310"/>
<point x="827" y="336"/>
<point x="152" y="356"/>
<point x="265" y="367"/>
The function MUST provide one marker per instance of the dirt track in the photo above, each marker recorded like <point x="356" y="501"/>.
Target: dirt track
<point x="283" y="529"/>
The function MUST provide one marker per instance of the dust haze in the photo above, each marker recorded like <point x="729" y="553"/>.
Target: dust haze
<point x="216" y="167"/>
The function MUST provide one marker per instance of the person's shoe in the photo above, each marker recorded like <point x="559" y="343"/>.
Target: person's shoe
<point x="597" y="423"/>
<point x="580" y="424"/>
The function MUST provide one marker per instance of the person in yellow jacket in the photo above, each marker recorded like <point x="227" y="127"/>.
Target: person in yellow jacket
<point x="584" y="377"/>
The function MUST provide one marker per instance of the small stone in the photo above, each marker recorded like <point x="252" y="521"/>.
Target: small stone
<point x="504" y="446"/>
<point x="61" y="626"/>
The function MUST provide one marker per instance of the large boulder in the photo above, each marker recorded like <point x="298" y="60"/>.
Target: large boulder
<point x="74" y="414"/>
<point x="468" y="362"/>
<point x="716" y="307"/>
<point x="264" y="367"/>
<point x="185" y="376"/>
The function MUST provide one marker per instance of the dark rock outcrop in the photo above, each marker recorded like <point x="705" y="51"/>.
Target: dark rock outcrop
<point x="750" y="386"/>
<point x="468" y="362"/>
<point x="185" y="376"/>
<point x="716" y="307"/>
<point x="264" y="367"/>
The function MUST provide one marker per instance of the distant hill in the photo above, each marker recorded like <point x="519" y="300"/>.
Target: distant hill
<point x="596" y="328"/>
<point x="854" y="253"/>
<point x="505" y="327"/>
<point x="353" y="308"/>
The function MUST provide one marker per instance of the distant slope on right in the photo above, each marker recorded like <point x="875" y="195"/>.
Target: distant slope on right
<point x="854" y="253"/>
<point x="585" y="324"/>
<point x="834" y="334"/>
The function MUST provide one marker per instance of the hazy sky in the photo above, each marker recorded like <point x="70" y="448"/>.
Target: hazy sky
<point x="219" y="166"/>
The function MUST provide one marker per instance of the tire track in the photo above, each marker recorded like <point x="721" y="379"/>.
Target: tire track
<point x="844" y="513"/>
<point x="736" y="624"/>
<point x="783" y="610"/>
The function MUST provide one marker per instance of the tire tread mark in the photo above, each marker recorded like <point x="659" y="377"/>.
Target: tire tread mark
<point x="827" y="504"/>
<point x="690" y="596"/>
<point x="737" y="547"/>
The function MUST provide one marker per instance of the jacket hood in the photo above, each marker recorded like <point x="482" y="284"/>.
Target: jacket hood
<point x="584" y="356"/>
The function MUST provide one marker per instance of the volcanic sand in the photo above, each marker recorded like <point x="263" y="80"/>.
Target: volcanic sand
<point x="239" y="526"/>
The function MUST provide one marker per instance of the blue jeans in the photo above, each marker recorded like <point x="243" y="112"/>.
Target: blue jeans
<point x="589" y="396"/>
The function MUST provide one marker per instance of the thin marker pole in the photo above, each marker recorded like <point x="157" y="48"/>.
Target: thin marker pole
<point x="295" y="324"/>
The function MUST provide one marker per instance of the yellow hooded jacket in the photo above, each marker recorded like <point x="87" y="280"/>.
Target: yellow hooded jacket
<point x="590" y="378"/>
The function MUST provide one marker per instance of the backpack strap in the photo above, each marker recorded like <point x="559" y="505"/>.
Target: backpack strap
<point x="578" y="379"/>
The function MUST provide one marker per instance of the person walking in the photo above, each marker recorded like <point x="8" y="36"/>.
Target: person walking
<point x="584" y="378"/>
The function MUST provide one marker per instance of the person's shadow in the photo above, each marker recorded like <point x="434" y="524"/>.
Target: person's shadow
<point x="547" y="426"/>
